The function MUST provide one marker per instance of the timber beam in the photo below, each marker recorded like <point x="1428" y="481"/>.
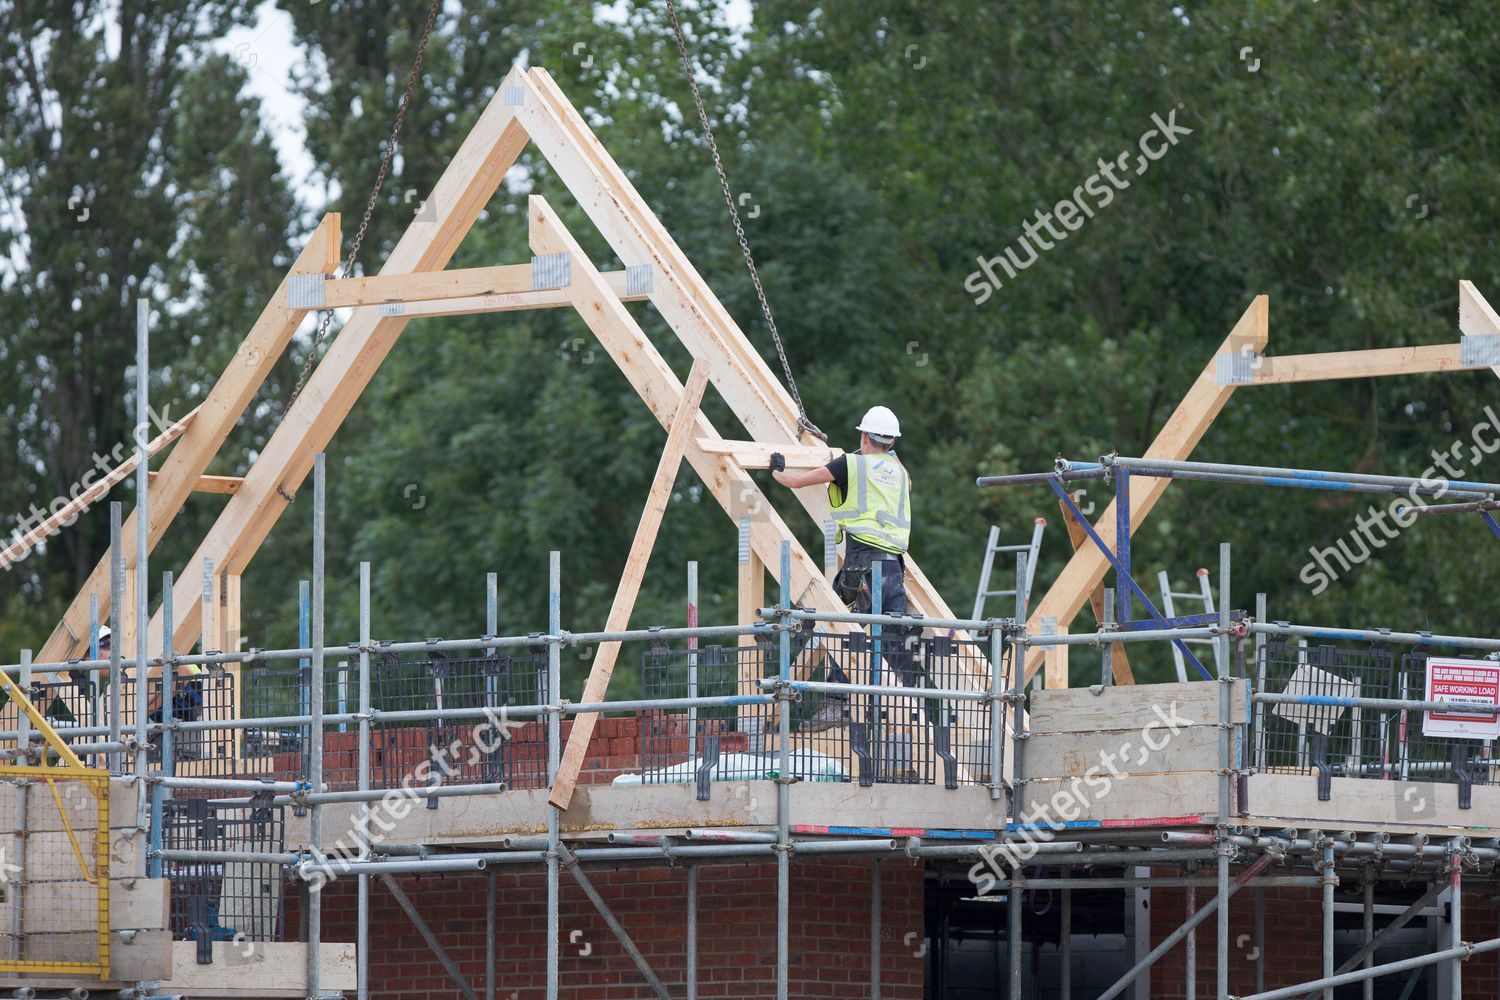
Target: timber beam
<point x="211" y="484"/>
<point x="757" y="454"/>
<point x="474" y="305"/>
<point x="508" y="286"/>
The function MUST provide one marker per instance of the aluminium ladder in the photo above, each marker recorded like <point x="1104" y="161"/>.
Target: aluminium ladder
<point x="1204" y="594"/>
<point x="993" y="546"/>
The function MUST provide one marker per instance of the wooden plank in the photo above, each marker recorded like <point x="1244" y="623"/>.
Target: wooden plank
<point x="1377" y="363"/>
<point x="603" y="668"/>
<point x="547" y="298"/>
<point x="1071" y="755"/>
<point x="211" y="424"/>
<point x="757" y="454"/>
<point x="1176" y="440"/>
<point x="505" y="279"/>
<point x="258" y="969"/>
<point x="1055" y="672"/>
<point x="134" y="956"/>
<point x="1362" y="804"/>
<point x="72" y="905"/>
<point x="1087" y="710"/>
<point x="1142" y="797"/>
<point x="92" y="494"/>
<point x="1475" y="316"/>
<point x="1119" y="661"/>
<point x="210" y="484"/>
<point x="229" y="623"/>
<point x="466" y="186"/>
<point x="140" y="904"/>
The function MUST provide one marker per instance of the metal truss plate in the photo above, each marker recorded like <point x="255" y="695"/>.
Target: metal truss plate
<point x="1479" y="351"/>
<point x="638" y="279"/>
<point x="1236" y="368"/>
<point x="305" y="291"/>
<point x="514" y="95"/>
<point x="553" y="270"/>
<point x="392" y="308"/>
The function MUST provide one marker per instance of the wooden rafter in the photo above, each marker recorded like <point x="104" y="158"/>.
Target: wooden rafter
<point x="473" y="305"/>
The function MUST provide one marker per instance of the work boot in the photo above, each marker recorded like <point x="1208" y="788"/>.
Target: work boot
<point x="833" y="712"/>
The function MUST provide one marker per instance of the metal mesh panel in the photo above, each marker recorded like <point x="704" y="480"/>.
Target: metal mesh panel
<point x="224" y="900"/>
<point x="1353" y="741"/>
<point x="674" y="740"/>
<point x="869" y="738"/>
<point x="273" y="689"/>
<point x="462" y="751"/>
<point x="455" y="751"/>
<point x="54" y="871"/>
<point x="83" y="700"/>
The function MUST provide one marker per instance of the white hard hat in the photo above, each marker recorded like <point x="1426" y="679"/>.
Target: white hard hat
<point x="104" y="633"/>
<point x="881" y="421"/>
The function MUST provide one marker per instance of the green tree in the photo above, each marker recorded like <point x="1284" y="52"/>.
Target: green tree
<point x="132" y="166"/>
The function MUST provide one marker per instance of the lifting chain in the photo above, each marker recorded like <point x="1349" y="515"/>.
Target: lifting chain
<point x="803" y="423"/>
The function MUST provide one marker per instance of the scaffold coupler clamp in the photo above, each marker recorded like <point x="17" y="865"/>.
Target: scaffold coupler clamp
<point x="1224" y="845"/>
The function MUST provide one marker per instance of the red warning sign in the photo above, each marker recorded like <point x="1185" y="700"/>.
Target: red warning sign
<point x="1463" y="682"/>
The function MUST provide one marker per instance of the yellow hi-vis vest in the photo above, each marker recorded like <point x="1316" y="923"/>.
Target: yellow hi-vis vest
<point x="877" y="507"/>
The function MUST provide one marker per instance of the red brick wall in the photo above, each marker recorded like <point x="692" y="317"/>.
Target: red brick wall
<point x="830" y="932"/>
<point x="1294" y="927"/>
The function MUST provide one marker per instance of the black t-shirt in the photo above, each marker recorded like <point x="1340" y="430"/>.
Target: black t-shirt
<point x="839" y="467"/>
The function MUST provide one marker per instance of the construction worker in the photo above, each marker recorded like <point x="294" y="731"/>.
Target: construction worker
<point x="870" y="493"/>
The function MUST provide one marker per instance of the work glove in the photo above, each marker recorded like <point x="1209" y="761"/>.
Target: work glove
<point x="778" y="462"/>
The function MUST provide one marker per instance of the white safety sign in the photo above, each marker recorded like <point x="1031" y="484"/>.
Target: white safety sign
<point x="1462" y="682"/>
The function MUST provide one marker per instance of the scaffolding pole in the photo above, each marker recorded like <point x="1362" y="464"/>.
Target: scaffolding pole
<point x="783" y="846"/>
<point x="142" y="587"/>
<point x="1222" y="848"/>
<point x="117" y="631"/>
<point x="362" y="884"/>
<point x="554" y="760"/>
<point x="315" y="750"/>
<point x="692" y="932"/>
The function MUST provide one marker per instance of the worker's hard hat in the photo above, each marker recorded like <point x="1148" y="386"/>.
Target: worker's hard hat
<point x="880" y="421"/>
<point x="104" y="633"/>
